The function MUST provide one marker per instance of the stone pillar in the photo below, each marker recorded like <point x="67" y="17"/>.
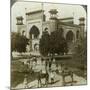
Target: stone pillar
<point x="82" y="26"/>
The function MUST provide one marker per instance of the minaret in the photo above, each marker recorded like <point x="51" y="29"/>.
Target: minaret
<point x="19" y="23"/>
<point x="53" y="14"/>
<point x="82" y="26"/>
<point x="53" y="19"/>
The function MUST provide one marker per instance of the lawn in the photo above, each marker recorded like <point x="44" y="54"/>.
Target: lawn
<point x="18" y="71"/>
<point x="78" y="66"/>
<point x="18" y="77"/>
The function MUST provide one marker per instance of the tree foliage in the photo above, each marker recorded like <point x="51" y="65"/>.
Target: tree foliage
<point x="54" y="43"/>
<point x="18" y="42"/>
<point x="44" y="43"/>
<point x="80" y="55"/>
<point x="58" y="42"/>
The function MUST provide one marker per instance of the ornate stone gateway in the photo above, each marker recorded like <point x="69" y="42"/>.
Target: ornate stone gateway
<point x="34" y="38"/>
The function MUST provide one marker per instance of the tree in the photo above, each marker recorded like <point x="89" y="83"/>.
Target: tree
<point x="58" y="43"/>
<point x="54" y="43"/>
<point x="18" y="42"/>
<point x="44" y="43"/>
<point x="13" y="41"/>
<point x="79" y="58"/>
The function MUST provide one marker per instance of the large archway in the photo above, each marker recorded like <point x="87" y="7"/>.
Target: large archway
<point x="34" y="32"/>
<point x="69" y="36"/>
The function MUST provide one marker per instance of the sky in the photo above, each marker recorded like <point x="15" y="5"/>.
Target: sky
<point x="64" y="10"/>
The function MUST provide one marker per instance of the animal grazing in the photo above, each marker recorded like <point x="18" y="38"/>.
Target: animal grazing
<point x="66" y="73"/>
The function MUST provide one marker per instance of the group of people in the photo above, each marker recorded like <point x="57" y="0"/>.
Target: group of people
<point x="48" y="76"/>
<point x="31" y="63"/>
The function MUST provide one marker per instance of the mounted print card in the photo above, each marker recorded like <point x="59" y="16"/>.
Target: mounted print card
<point x="48" y="44"/>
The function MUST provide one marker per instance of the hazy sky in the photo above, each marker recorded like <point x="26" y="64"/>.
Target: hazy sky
<point x="64" y="10"/>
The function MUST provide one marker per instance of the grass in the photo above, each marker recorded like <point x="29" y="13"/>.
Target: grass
<point x="18" y="73"/>
<point x="77" y="66"/>
<point x="18" y="77"/>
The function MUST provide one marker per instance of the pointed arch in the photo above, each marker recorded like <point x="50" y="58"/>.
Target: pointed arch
<point x="34" y="32"/>
<point x="70" y="36"/>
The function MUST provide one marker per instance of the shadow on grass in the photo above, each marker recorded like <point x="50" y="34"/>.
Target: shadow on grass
<point x="18" y="77"/>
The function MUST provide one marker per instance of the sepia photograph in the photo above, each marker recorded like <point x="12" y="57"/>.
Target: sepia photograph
<point x="48" y="45"/>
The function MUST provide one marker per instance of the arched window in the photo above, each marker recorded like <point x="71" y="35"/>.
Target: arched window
<point x="34" y="32"/>
<point x="46" y="29"/>
<point x="36" y="47"/>
<point x="77" y="34"/>
<point x="69" y="36"/>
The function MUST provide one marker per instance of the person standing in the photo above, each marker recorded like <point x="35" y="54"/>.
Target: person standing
<point x="42" y="60"/>
<point x="25" y="81"/>
<point x="50" y="64"/>
<point x="47" y="79"/>
<point x="35" y="60"/>
<point x="52" y="77"/>
<point x="46" y="64"/>
<point x="39" y="79"/>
